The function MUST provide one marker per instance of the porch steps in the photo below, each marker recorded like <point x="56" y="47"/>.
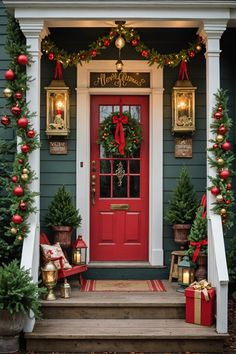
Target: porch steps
<point x="120" y="322"/>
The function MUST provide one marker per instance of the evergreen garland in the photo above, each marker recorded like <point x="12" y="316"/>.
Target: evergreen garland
<point x="18" y="183"/>
<point x="132" y="132"/>
<point x="221" y="158"/>
<point x="183" y="203"/>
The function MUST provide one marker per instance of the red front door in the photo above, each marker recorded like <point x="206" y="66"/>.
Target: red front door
<point x="119" y="206"/>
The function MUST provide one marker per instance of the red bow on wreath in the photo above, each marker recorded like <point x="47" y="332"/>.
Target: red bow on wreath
<point x="119" y="133"/>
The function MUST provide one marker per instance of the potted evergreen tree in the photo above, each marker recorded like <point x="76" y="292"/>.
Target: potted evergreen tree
<point x="198" y="243"/>
<point x="18" y="296"/>
<point x="62" y="216"/>
<point x="182" y="208"/>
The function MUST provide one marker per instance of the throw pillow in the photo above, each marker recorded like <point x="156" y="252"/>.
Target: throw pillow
<point x="55" y="251"/>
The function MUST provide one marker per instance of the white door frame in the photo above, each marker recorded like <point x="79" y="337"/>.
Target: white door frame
<point x="155" y="93"/>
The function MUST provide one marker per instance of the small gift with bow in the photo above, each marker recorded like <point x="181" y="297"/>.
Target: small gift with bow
<point x="200" y="303"/>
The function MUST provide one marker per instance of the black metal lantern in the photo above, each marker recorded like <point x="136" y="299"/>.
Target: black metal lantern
<point x="79" y="251"/>
<point x="186" y="273"/>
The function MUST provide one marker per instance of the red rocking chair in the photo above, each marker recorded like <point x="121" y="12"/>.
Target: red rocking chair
<point x="64" y="273"/>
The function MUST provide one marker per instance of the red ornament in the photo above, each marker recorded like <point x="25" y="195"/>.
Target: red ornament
<point x="229" y="186"/>
<point x="22" y="59"/>
<point x="5" y="120"/>
<point x="215" y="190"/>
<point x="9" y="75"/>
<point x="106" y="42"/>
<point x="14" y="179"/>
<point x="222" y="130"/>
<point x="18" y="95"/>
<point x="228" y="202"/>
<point x="18" y="191"/>
<point x="17" y="219"/>
<point x="220" y="109"/>
<point x="21" y="161"/>
<point x="16" y="110"/>
<point x="226" y="146"/>
<point x="215" y="146"/>
<point x="134" y="42"/>
<point x="224" y="174"/>
<point x="23" y="205"/>
<point x="218" y="115"/>
<point x="191" y="54"/>
<point x="82" y="56"/>
<point x="51" y="56"/>
<point x="144" y="53"/>
<point x="25" y="149"/>
<point x="31" y="133"/>
<point x="22" y="122"/>
<point x="94" y="53"/>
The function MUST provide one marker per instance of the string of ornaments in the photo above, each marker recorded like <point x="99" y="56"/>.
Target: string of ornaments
<point x="221" y="158"/>
<point x="130" y="36"/>
<point x="19" y="117"/>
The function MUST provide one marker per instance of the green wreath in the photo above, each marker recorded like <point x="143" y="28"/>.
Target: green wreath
<point x="120" y="134"/>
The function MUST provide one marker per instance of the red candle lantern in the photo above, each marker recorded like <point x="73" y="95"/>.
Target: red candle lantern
<point x="79" y="251"/>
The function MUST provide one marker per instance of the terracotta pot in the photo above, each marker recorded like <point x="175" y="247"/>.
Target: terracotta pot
<point x="181" y="232"/>
<point x="10" y="328"/>
<point x="201" y="272"/>
<point x="62" y="234"/>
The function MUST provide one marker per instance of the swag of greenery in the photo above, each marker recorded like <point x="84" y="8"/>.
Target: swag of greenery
<point x="17" y="184"/>
<point x="130" y="36"/>
<point x="120" y="134"/>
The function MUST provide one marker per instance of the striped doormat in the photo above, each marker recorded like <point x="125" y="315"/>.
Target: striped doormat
<point x="123" y="285"/>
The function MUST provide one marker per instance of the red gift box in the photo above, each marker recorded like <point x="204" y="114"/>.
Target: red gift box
<point x="200" y="306"/>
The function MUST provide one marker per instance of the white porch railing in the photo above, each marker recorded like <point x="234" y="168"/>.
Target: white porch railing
<point x="30" y="261"/>
<point x="218" y="271"/>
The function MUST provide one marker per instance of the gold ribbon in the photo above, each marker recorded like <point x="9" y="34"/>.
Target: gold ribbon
<point x="199" y="288"/>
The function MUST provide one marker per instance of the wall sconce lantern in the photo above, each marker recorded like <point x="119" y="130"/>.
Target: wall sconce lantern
<point x="183" y="107"/>
<point x="186" y="273"/>
<point x="58" y="115"/>
<point x="79" y="251"/>
<point x="49" y="277"/>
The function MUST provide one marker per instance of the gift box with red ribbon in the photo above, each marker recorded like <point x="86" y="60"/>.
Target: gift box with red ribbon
<point x="200" y="303"/>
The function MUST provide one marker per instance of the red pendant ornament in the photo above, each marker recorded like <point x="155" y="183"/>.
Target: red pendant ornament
<point x="220" y="109"/>
<point x="51" y="56"/>
<point x="134" y="42"/>
<point x="144" y="53"/>
<point x="224" y="174"/>
<point x="228" y="202"/>
<point x="215" y="146"/>
<point x="106" y="42"/>
<point x="14" y="179"/>
<point x="21" y="161"/>
<point x="31" y="133"/>
<point x="218" y="115"/>
<point x="5" y="120"/>
<point x="23" y="205"/>
<point x="229" y="186"/>
<point x="18" y="95"/>
<point x="82" y="56"/>
<point x="9" y="75"/>
<point x="16" y="110"/>
<point x="215" y="190"/>
<point x="22" y="122"/>
<point x="226" y="146"/>
<point x="222" y="130"/>
<point x="191" y="54"/>
<point x="94" y="53"/>
<point x="22" y="59"/>
<point x="25" y="148"/>
<point x="17" y="219"/>
<point x="18" y="191"/>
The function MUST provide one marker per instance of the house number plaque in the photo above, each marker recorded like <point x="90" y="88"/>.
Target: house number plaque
<point x="183" y="147"/>
<point x="58" y="147"/>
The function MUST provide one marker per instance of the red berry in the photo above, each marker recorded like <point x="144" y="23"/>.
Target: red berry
<point x="134" y="42"/>
<point x="144" y="53"/>
<point x="9" y="75"/>
<point x="106" y="42"/>
<point x="94" y="53"/>
<point x="22" y="59"/>
<point x="191" y="54"/>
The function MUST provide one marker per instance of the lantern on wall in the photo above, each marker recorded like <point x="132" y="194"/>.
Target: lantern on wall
<point x="58" y="116"/>
<point x="186" y="273"/>
<point x="49" y="276"/>
<point x="79" y="251"/>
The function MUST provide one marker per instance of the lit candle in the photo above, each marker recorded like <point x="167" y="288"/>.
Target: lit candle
<point x="185" y="277"/>
<point x="50" y="278"/>
<point x="59" y="107"/>
<point x="77" y="257"/>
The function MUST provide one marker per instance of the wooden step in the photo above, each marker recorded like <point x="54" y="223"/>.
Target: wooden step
<point x="119" y="335"/>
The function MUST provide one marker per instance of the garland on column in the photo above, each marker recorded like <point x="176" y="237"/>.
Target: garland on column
<point x="221" y="158"/>
<point x="132" y="37"/>
<point x="18" y="184"/>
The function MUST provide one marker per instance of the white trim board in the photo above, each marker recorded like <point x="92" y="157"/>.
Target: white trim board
<point x="155" y="93"/>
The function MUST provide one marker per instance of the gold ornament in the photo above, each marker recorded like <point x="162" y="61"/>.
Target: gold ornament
<point x="13" y="231"/>
<point x="220" y="161"/>
<point x="219" y="198"/>
<point x="223" y="212"/>
<point x="20" y="238"/>
<point x="198" y="48"/>
<point x="25" y="170"/>
<point x="7" y="92"/>
<point x="120" y="42"/>
<point x="219" y="138"/>
<point x="24" y="177"/>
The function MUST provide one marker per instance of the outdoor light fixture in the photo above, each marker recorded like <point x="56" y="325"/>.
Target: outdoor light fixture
<point x="49" y="276"/>
<point x="58" y="117"/>
<point x="119" y="43"/>
<point x="183" y="107"/>
<point x="79" y="251"/>
<point x="186" y="273"/>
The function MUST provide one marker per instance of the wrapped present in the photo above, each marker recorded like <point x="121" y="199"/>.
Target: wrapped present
<point x="200" y="303"/>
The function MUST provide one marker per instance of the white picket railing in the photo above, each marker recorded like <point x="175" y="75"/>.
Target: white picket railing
<point x="218" y="271"/>
<point x="30" y="261"/>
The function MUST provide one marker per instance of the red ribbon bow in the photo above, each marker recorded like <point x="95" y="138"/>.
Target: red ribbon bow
<point x="119" y="133"/>
<point x="58" y="71"/>
<point x="198" y="246"/>
<point x="183" y="72"/>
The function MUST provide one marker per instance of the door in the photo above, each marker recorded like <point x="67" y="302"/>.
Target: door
<point x="119" y="206"/>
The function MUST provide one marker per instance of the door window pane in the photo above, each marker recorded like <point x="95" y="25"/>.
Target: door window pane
<point x="105" y="166"/>
<point x="105" y="111"/>
<point x="135" y="112"/>
<point x="134" y="186"/>
<point x="134" y="166"/>
<point x="105" y="186"/>
<point x="119" y="191"/>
